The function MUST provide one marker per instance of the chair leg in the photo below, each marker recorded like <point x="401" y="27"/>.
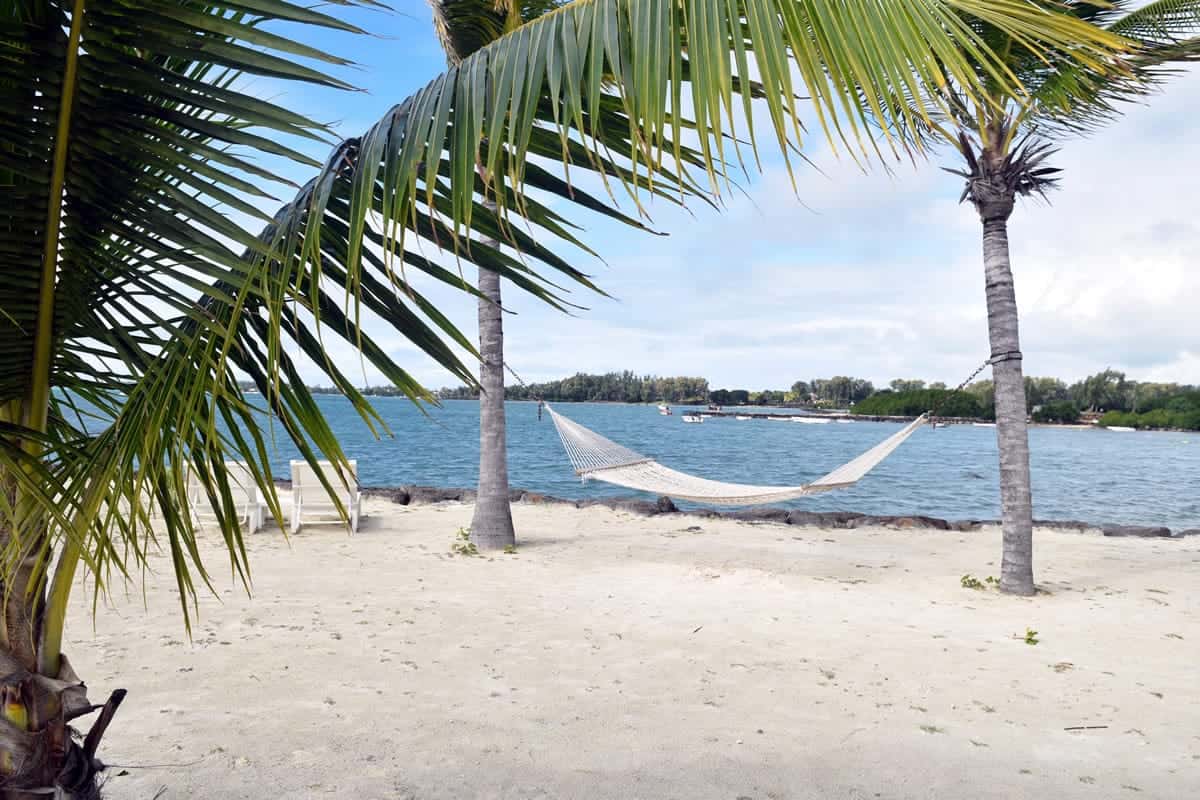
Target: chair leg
<point x="354" y="518"/>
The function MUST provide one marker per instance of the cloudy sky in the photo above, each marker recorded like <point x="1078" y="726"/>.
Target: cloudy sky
<point x="871" y="275"/>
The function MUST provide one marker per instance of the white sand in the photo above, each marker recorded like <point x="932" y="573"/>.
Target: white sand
<point x="622" y="657"/>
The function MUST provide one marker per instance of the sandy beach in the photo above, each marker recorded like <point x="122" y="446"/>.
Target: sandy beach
<point x="616" y="656"/>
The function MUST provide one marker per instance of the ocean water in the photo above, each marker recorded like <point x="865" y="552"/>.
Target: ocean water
<point x="1146" y="478"/>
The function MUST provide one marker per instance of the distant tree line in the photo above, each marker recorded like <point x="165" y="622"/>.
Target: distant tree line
<point x="914" y="402"/>
<point x="1120" y="401"/>
<point x="1180" y="411"/>
<point x="375" y="391"/>
<point x="614" y="387"/>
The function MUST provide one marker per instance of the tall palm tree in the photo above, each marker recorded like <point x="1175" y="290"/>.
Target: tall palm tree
<point x="1005" y="143"/>
<point x="463" y="27"/>
<point x="132" y="301"/>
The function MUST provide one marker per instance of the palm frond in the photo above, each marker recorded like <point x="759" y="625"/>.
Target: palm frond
<point x="464" y="26"/>
<point x="1166" y="36"/>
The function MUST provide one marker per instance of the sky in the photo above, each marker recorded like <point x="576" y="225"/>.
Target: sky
<point x="873" y="275"/>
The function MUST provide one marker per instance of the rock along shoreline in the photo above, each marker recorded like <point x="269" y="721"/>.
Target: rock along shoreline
<point x="421" y="495"/>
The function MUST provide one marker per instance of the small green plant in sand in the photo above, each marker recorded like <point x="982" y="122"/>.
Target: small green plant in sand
<point x="510" y="549"/>
<point x="969" y="581"/>
<point x="462" y="545"/>
<point x="1031" y="636"/>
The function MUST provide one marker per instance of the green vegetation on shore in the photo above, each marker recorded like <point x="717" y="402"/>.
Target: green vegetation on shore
<point x="916" y="402"/>
<point x="1122" y="402"/>
<point x="612" y="387"/>
<point x="1181" y="411"/>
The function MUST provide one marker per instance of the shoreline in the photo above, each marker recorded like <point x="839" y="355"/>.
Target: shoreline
<point x="430" y="495"/>
<point x="731" y="411"/>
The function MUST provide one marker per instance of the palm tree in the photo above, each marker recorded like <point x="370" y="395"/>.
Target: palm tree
<point x="133" y="304"/>
<point x="1005" y="143"/>
<point x="463" y="27"/>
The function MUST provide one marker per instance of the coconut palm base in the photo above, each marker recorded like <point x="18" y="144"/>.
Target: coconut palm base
<point x="50" y="758"/>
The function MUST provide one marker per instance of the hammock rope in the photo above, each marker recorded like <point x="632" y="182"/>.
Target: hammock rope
<point x="594" y="456"/>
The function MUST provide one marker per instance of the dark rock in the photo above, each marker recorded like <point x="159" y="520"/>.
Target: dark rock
<point x="803" y="518"/>
<point x="1141" y="531"/>
<point x="397" y="494"/>
<point x="665" y="506"/>
<point x="1188" y="532"/>
<point x="1063" y="524"/>
<point x="918" y="521"/>
<point x="643" y="508"/>
<point x="761" y="515"/>
<point x="432" y="494"/>
<point x="971" y="524"/>
<point x="825" y="519"/>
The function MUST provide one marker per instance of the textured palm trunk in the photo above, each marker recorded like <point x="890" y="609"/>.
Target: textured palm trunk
<point x="492" y="526"/>
<point x="1016" y="494"/>
<point x="40" y="755"/>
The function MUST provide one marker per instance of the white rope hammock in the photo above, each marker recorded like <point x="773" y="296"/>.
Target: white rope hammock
<point x="594" y="456"/>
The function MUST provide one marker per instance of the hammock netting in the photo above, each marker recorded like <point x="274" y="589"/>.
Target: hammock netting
<point x="594" y="456"/>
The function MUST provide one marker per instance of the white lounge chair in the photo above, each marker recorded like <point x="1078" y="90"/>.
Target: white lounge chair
<point x="310" y="499"/>
<point x="245" y="496"/>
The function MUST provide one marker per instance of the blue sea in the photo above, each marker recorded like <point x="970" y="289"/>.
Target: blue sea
<point x="1142" y="478"/>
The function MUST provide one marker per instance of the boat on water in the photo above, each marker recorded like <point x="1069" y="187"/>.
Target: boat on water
<point x="779" y="419"/>
<point x="984" y="424"/>
<point x="1120" y="428"/>
<point x="692" y="418"/>
<point x="845" y="421"/>
<point x="742" y="417"/>
<point x="664" y="410"/>
<point x="812" y="420"/>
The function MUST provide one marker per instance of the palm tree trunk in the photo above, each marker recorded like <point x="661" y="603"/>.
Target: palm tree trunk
<point x="1016" y="495"/>
<point x="40" y="755"/>
<point x="492" y="526"/>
